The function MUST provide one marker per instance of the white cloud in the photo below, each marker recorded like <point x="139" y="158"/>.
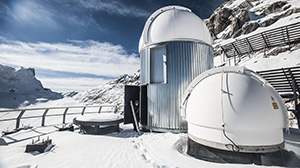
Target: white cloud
<point x="72" y="84"/>
<point x="77" y="57"/>
<point x="115" y="7"/>
<point x="89" y="57"/>
<point x="30" y="12"/>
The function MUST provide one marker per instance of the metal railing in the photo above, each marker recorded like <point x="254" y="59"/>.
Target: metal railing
<point x="64" y="112"/>
<point x="285" y="35"/>
<point x="285" y="80"/>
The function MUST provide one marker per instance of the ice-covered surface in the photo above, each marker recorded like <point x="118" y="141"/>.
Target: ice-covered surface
<point x="124" y="149"/>
<point x="102" y="117"/>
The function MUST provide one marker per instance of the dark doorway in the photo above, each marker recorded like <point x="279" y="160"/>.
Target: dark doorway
<point x="131" y="94"/>
<point x="144" y="105"/>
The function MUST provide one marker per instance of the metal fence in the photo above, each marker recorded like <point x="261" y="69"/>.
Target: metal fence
<point x="285" y="35"/>
<point x="63" y="112"/>
<point x="285" y="80"/>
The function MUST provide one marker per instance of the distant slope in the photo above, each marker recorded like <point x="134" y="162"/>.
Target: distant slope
<point x="19" y="88"/>
<point x="110" y="93"/>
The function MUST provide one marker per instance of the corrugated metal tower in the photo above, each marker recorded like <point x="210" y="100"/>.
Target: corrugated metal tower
<point x="175" y="47"/>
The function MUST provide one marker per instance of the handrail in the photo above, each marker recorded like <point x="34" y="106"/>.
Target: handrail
<point x="43" y="108"/>
<point x="63" y="114"/>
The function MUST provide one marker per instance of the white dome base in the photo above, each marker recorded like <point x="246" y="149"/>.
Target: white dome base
<point x="195" y="132"/>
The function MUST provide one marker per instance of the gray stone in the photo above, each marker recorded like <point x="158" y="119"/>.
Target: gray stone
<point x="249" y="27"/>
<point x="219" y="21"/>
<point x="275" y="7"/>
<point x="286" y="7"/>
<point x="268" y="22"/>
<point x="237" y="33"/>
<point x="296" y="10"/>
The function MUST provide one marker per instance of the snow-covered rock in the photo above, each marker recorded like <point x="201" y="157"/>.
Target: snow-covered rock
<point x="20" y="88"/>
<point x="110" y="93"/>
<point x="240" y="17"/>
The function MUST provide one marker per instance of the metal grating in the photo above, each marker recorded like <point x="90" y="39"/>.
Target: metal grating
<point x="285" y="35"/>
<point x="284" y="79"/>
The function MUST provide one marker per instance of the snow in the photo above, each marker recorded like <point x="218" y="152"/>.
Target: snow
<point x="234" y="4"/>
<point x="20" y="88"/>
<point x="258" y="61"/>
<point x="287" y="59"/>
<point x="124" y="149"/>
<point x="102" y="117"/>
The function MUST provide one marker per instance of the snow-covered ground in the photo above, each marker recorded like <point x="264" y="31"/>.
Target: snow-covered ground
<point x="124" y="149"/>
<point x="258" y="61"/>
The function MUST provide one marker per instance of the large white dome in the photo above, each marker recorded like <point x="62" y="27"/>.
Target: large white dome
<point x="233" y="106"/>
<point x="173" y="23"/>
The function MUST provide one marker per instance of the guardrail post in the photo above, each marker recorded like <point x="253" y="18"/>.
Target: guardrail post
<point x="116" y="109"/>
<point x="288" y="37"/>
<point x="44" y="117"/>
<point x="19" y="119"/>
<point x="83" y="110"/>
<point x="64" y="115"/>
<point x="100" y="108"/>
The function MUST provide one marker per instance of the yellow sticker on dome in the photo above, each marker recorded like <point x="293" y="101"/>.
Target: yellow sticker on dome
<point x="275" y="106"/>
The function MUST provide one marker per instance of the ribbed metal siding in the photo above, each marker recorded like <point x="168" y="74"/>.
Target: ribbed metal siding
<point x="145" y="66"/>
<point x="185" y="61"/>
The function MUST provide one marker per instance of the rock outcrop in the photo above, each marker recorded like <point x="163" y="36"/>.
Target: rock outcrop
<point x="235" y="18"/>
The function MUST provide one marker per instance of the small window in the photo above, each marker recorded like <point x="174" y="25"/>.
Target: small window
<point x="158" y="65"/>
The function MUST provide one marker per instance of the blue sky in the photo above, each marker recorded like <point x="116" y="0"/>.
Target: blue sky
<point x="79" y="44"/>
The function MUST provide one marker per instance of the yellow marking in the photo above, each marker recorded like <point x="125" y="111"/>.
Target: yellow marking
<point x="272" y="98"/>
<point x="275" y="106"/>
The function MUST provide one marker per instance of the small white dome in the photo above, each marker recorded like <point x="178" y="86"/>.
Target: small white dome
<point x="234" y="106"/>
<point x="174" y="23"/>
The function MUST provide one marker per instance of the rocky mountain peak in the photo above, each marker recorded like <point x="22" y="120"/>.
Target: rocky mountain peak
<point x="239" y="17"/>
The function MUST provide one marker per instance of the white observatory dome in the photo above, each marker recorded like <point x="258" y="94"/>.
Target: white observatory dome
<point x="233" y="108"/>
<point x="173" y="23"/>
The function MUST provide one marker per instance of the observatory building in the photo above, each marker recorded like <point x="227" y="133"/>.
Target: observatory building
<point x="175" y="47"/>
<point x="235" y="114"/>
